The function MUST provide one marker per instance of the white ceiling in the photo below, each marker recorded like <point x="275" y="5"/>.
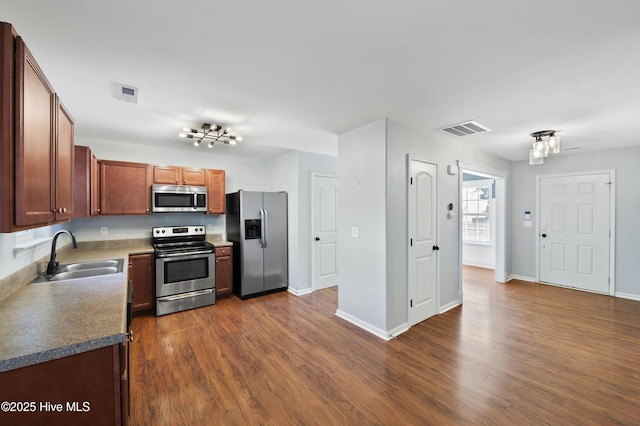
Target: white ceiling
<point x="291" y="74"/>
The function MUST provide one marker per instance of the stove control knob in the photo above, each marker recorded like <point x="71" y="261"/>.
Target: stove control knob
<point x="163" y="231"/>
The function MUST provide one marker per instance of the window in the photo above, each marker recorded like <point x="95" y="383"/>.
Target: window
<point x="476" y="196"/>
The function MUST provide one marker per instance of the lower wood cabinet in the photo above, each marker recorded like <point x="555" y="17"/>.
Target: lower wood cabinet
<point x="224" y="271"/>
<point x="86" y="388"/>
<point x="141" y="277"/>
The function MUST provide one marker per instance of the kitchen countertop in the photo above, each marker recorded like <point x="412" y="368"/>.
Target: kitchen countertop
<point x="221" y="243"/>
<point x="45" y="321"/>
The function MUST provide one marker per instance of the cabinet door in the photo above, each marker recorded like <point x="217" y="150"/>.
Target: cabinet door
<point x="193" y="177"/>
<point x="125" y="382"/>
<point x="216" y="191"/>
<point x="167" y="174"/>
<point x="224" y="271"/>
<point x="125" y="188"/>
<point x="81" y="181"/>
<point x="89" y="377"/>
<point x="64" y="164"/>
<point x="94" y="186"/>
<point x="141" y="276"/>
<point x="35" y="142"/>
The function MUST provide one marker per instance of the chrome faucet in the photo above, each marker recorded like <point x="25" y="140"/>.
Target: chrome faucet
<point x="52" y="266"/>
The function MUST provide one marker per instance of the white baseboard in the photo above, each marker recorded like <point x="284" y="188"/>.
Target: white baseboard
<point x="398" y="331"/>
<point x="627" y="296"/>
<point x="478" y="265"/>
<point x="299" y="292"/>
<point x="521" y="278"/>
<point x="364" y="325"/>
<point x="449" y="306"/>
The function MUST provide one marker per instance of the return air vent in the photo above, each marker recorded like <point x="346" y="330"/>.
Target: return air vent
<point x="466" y="128"/>
<point x="126" y="93"/>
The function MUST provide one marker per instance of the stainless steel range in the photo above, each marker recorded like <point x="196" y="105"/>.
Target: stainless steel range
<point x="185" y="268"/>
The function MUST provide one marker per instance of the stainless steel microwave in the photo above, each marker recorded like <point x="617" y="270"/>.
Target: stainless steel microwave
<point x="178" y="198"/>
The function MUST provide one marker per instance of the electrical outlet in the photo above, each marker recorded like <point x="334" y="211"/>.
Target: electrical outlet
<point x="104" y="230"/>
<point x="355" y="232"/>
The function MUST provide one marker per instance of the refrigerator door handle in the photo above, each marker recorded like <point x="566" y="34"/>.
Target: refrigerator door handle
<point x="265" y="229"/>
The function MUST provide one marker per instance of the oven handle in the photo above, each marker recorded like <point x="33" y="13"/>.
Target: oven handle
<point x="185" y="254"/>
<point x="185" y="295"/>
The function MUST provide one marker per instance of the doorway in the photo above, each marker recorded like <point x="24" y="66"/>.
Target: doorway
<point x="498" y="192"/>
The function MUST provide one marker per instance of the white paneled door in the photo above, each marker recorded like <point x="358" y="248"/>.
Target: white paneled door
<point x="574" y="231"/>
<point x="325" y="231"/>
<point x="423" y="246"/>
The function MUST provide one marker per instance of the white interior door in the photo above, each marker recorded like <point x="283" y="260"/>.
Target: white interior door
<point x="325" y="231"/>
<point x="422" y="241"/>
<point x="574" y="231"/>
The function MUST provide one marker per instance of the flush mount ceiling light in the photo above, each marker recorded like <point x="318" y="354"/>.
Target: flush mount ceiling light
<point x="546" y="142"/>
<point x="212" y="133"/>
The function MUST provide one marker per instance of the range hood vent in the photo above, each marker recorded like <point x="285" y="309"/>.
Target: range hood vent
<point x="466" y="128"/>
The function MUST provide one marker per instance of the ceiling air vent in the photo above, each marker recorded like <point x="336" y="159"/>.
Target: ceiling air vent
<point x="466" y="128"/>
<point x="126" y="93"/>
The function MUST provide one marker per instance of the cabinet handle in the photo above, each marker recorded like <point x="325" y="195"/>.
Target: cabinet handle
<point x="130" y="336"/>
<point x="64" y="210"/>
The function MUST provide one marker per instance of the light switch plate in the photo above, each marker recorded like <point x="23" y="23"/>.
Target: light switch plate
<point x="355" y="232"/>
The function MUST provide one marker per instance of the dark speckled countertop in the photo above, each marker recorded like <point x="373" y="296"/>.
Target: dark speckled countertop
<point x="45" y="321"/>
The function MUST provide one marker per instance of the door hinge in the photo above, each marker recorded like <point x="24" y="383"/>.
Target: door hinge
<point x="411" y="242"/>
<point x="411" y="180"/>
<point x="411" y="303"/>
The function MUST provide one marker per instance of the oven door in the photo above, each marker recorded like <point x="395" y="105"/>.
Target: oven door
<point x="184" y="273"/>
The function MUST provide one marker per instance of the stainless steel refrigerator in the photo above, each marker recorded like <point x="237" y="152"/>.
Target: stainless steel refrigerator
<point x="257" y="226"/>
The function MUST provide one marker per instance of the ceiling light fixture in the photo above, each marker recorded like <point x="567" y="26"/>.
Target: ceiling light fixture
<point x="212" y="133"/>
<point x="546" y="142"/>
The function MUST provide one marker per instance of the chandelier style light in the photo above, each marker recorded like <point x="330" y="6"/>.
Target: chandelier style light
<point x="212" y="133"/>
<point x="546" y="142"/>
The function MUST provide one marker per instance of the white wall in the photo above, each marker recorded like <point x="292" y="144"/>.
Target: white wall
<point x="625" y="163"/>
<point x="373" y="195"/>
<point x="309" y="163"/>
<point x="443" y="150"/>
<point x="362" y="291"/>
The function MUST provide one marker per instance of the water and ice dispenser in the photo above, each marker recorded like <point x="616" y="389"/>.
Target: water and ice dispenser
<point x="252" y="229"/>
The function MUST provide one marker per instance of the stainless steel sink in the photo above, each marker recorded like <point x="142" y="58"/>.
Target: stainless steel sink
<point x="94" y="264"/>
<point x="93" y="268"/>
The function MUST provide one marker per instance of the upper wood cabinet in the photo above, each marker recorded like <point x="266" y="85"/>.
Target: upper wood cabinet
<point x="178" y="175"/>
<point x="64" y="163"/>
<point x="36" y="142"/>
<point x="216" y="191"/>
<point x="125" y="188"/>
<point x="86" y="189"/>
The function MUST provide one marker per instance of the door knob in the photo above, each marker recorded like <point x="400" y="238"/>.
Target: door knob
<point x="544" y="235"/>
<point x="317" y="238"/>
<point x="436" y="248"/>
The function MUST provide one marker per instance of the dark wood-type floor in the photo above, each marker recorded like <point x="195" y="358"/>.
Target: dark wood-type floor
<point x="516" y="353"/>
